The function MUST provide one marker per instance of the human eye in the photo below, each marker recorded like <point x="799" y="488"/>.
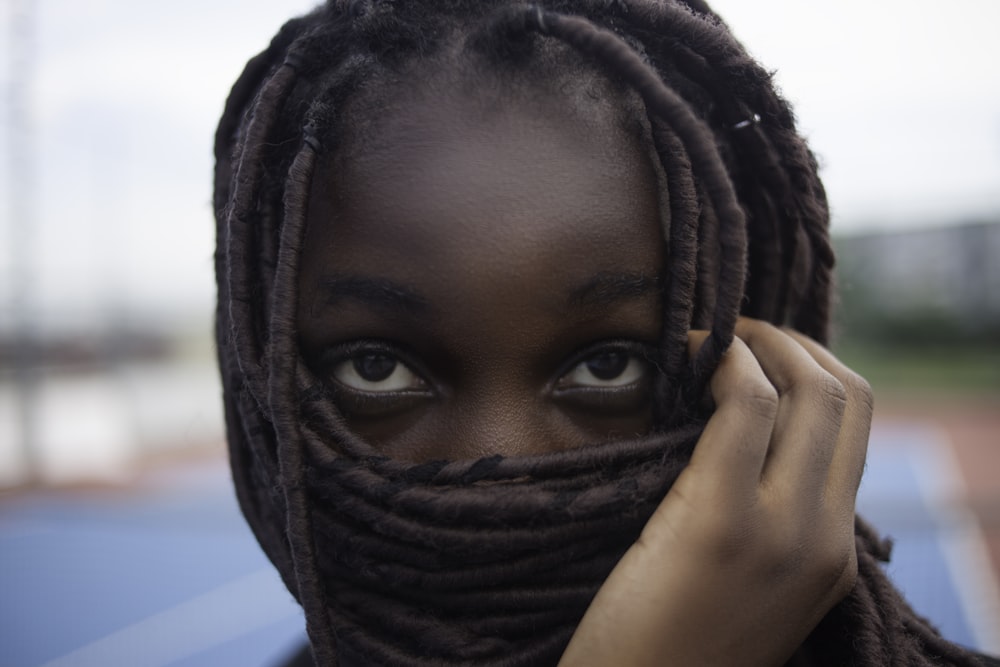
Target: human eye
<point x="371" y="368"/>
<point x="607" y="367"/>
<point x="375" y="372"/>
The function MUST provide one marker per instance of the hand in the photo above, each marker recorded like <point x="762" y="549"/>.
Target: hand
<point x="754" y="543"/>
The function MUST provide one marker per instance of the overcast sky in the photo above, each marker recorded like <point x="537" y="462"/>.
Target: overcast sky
<point x="900" y="98"/>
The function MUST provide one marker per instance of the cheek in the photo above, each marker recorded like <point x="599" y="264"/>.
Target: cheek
<point x="509" y="426"/>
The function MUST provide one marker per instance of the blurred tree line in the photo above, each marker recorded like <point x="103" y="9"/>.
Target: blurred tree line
<point x="921" y="287"/>
<point x="920" y="309"/>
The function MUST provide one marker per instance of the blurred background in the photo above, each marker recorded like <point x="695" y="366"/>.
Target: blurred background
<point x="108" y="390"/>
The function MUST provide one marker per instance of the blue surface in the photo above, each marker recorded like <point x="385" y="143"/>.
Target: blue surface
<point x="82" y="568"/>
<point x="894" y="498"/>
<point x="174" y="578"/>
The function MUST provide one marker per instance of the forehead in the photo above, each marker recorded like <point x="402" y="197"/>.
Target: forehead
<point x="472" y="204"/>
<point x="450" y="152"/>
<point x="460" y="83"/>
<point x="451" y="176"/>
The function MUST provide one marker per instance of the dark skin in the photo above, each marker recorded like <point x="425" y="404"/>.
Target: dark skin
<point x="508" y="267"/>
<point x="491" y="285"/>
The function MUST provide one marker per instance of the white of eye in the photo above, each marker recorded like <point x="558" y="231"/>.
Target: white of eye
<point x="583" y="374"/>
<point x="376" y="372"/>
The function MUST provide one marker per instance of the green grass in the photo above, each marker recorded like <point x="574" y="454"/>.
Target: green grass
<point x="958" y="369"/>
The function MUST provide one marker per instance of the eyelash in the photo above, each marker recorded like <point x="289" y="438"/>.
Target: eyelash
<point x="636" y="351"/>
<point x="349" y="353"/>
<point x="334" y="357"/>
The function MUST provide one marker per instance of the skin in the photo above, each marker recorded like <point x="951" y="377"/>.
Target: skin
<point x="491" y="257"/>
<point x="497" y="274"/>
<point x="758" y="528"/>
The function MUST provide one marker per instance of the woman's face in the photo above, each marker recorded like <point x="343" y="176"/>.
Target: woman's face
<point x="478" y="283"/>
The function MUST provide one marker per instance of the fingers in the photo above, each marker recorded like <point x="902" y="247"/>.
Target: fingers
<point x="754" y="542"/>
<point x="810" y="411"/>
<point x="791" y="421"/>
<point x="848" y="462"/>
<point x="734" y="444"/>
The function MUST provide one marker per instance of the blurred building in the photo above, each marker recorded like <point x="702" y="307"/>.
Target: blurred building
<point x="947" y="276"/>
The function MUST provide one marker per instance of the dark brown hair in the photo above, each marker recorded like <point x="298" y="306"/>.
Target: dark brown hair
<point x="494" y="561"/>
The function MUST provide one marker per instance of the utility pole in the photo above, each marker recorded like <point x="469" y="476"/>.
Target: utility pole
<point x="22" y="226"/>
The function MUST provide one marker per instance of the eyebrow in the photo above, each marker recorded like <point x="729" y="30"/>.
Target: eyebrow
<point x="375" y="292"/>
<point x="607" y="288"/>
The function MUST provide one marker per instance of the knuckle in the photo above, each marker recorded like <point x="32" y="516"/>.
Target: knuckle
<point x="829" y="389"/>
<point x="840" y="569"/>
<point x="759" y="397"/>
<point x="809" y="547"/>
<point x="860" y="391"/>
<point x="848" y="575"/>
<point x="836" y="559"/>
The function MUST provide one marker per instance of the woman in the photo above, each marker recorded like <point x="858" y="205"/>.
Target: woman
<point x="489" y="396"/>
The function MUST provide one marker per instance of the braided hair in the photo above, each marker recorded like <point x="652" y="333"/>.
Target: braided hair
<point x="494" y="561"/>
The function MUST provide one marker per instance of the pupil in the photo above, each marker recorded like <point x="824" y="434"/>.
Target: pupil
<point x="374" y="367"/>
<point x="608" y="365"/>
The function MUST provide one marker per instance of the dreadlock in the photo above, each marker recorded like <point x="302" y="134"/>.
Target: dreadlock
<point x="494" y="561"/>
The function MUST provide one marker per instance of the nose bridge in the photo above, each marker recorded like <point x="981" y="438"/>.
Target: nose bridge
<point x="505" y="422"/>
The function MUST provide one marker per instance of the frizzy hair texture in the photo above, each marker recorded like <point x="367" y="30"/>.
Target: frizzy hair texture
<point x="494" y="561"/>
